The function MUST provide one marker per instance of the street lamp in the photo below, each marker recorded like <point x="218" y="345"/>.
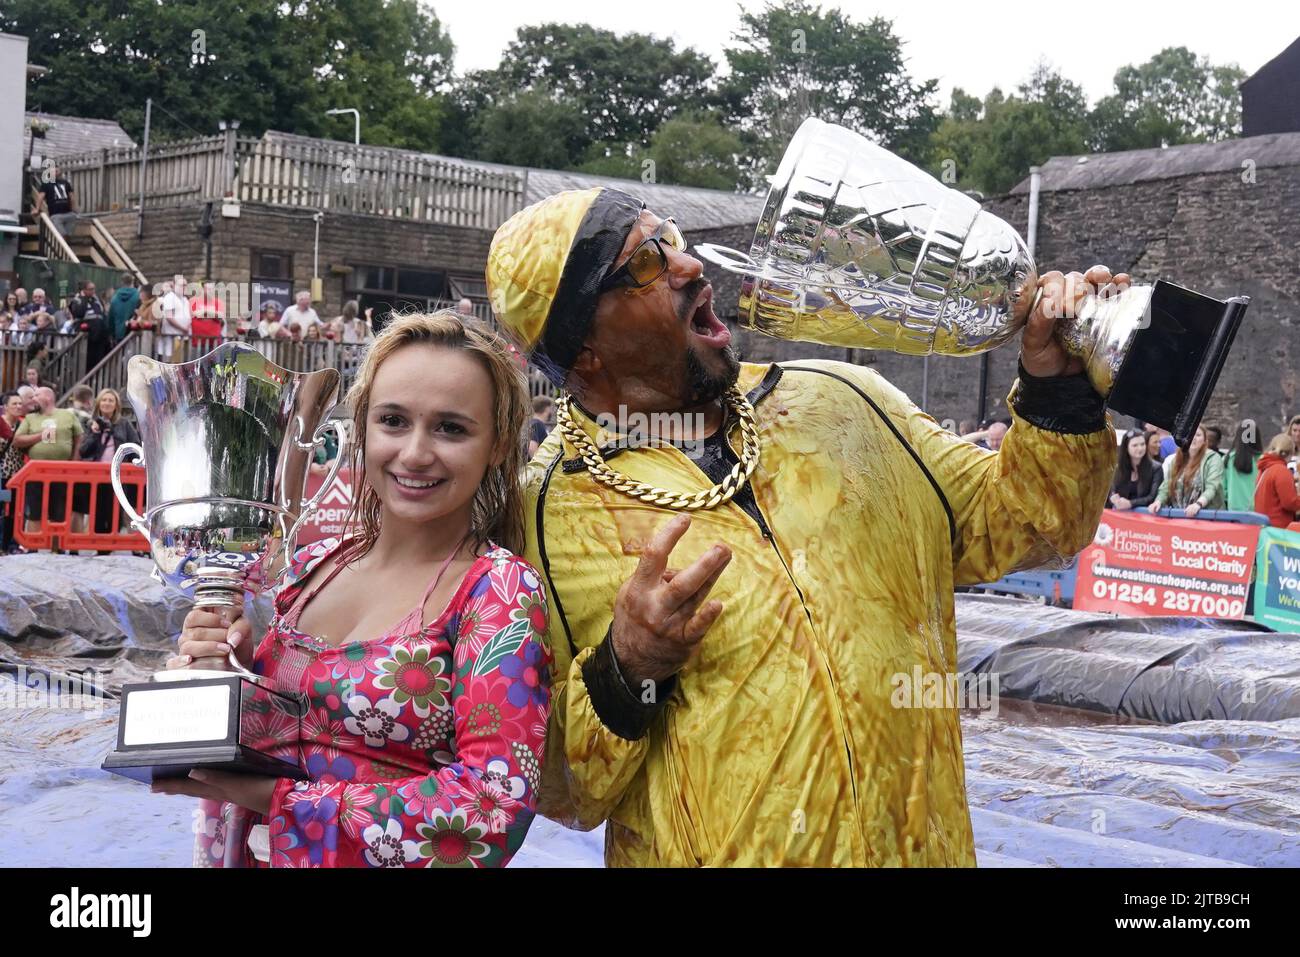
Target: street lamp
<point x="356" y="115"/>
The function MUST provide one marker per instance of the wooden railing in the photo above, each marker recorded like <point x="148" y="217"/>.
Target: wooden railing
<point x="64" y="363"/>
<point x="110" y="373"/>
<point x="482" y="310"/>
<point x="14" y="347"/>
<point x="53" y="245"/>
<point x="112" y="251"/>
<point x="538" y="384"/>
<point x="67" y="365"/>
<point x="282" y="170"/>
<point x="177" y="174"/>
<point x="296" y="356"/>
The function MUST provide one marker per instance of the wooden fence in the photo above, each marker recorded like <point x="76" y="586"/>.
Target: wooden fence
<point x="111" y="371"/>
<point x="63" y="365"/>
<point x="297" y="172"/>
<point x="295" y="356"/>
<point x="177" y="174"/>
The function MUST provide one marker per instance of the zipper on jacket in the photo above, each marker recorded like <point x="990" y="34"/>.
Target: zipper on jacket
<point x="803" y="602"/>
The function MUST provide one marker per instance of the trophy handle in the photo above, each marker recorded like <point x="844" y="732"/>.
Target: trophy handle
<point x="309" y="505"/>
<point x="115" y="473"/>
<point x="732" y="260"/>
<point x="232" y="663"/>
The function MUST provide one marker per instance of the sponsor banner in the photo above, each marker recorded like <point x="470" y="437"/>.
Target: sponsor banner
<point x="329" y="520"/>
<point x="1140" y="565"/>
<point x="1277" y="584"/>
<point x="278" y="291"/>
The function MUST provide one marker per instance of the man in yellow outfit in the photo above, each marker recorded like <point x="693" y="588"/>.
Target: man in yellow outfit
<point x="732" y="610"/>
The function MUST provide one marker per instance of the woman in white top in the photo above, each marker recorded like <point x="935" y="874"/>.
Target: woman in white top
<point x="356" y="329"/>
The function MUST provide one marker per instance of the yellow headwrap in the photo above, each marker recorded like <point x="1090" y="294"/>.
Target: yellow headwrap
<point x="545" y="267"/>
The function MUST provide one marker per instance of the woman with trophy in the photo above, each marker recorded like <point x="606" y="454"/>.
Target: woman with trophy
<point x="422" y="740"/>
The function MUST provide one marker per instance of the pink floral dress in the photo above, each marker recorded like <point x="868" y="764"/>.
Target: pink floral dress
<point x="424" y="746"/>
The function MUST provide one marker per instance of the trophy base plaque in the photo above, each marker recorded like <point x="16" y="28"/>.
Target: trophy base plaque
<point x="155" y="764"/>
<point x="169" y="727"/>
<point x="1166" y="375"/>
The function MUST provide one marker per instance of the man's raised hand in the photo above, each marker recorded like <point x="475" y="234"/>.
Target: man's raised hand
<point x="660" y="614"/>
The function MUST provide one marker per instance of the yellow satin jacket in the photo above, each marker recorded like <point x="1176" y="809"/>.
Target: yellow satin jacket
<point x="783" y="741"/>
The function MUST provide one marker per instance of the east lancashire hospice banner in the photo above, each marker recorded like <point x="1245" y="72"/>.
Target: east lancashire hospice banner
<point x="328" y="520"/>
<point x="1139" y="564"/>
<point x="1277" y="580"/>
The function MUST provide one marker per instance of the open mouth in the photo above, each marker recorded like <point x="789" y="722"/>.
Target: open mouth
<point x="705" y="323"/>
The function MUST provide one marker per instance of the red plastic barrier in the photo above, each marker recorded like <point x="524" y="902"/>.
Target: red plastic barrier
<point x="61" y="486"/>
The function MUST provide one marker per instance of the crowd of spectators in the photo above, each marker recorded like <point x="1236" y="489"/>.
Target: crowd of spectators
<point x="89" y="429"/>
<point x="92" y="427"/>
<point x="1153" y="473"/>
<point x="172" y="315"/>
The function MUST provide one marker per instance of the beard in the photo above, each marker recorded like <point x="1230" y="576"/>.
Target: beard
<point x="703" y="386"/>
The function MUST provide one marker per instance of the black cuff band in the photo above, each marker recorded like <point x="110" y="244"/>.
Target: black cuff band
<point x="620" y="708"/>
<point x="1067" y="404"/>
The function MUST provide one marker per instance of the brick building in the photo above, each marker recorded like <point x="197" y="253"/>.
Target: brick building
<point x="301" y="208"/>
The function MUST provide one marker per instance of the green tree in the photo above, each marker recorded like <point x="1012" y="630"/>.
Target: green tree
<point x="990" y="146"/>
<point x="961" y="138"/>
<point x="267" y="64"/>
<point x="793" y="60"/>
<point x="620" y="86"/>
<point x="393" y="61"/>
<point x="695" y="150"/>
<point x="1175" y="97"/>
<point x="692" y="149"/>
<point x="532" y="128"/>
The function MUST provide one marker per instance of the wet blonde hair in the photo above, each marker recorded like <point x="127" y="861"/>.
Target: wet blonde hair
<point x="117" y="403"/>
<point x="1281" y="444"/>
<point x="498" y="509"/>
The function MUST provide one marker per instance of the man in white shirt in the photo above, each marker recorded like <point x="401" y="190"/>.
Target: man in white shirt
<point x="301" y="314"/>
<point x="174" y="319"/>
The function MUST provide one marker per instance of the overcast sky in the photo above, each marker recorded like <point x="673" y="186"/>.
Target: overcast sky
<point x="974" y="44"/>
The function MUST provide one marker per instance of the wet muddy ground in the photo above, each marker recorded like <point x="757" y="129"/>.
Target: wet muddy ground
<point x="1048" y="784"/>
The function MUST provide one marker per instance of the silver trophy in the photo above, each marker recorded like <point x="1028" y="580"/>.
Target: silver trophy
<point x="228" y="439"/>
<point x="857" y="247"/>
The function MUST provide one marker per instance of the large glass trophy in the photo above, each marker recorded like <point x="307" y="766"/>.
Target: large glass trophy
<point x="857" y="247"/>
<point x="228" y="439"/>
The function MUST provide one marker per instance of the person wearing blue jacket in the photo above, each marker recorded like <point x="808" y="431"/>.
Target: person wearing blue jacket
<point x="125" y="301"/>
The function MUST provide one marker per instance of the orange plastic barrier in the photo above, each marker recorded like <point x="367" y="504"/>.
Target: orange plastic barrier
<point x="69" y="501"/>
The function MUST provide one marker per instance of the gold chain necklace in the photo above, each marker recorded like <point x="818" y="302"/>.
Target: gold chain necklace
<point x="733" y="399"/>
